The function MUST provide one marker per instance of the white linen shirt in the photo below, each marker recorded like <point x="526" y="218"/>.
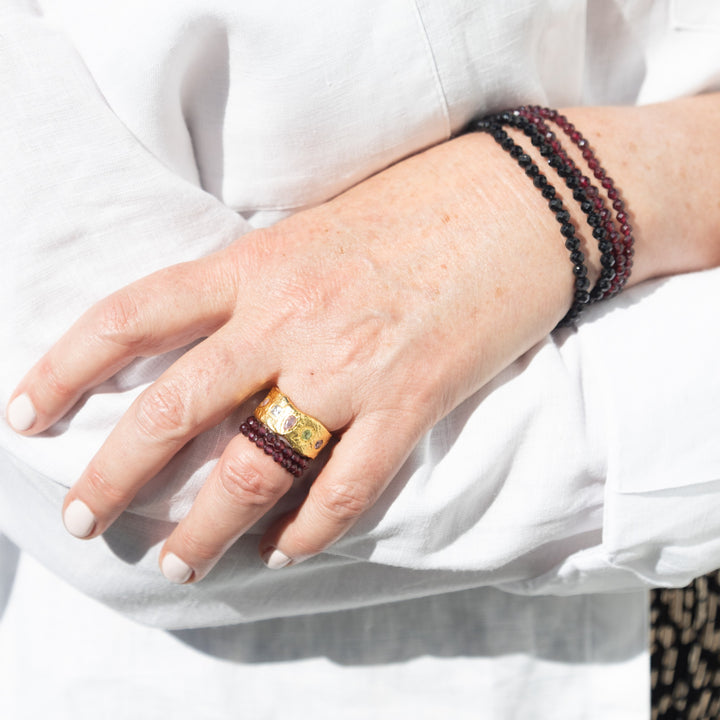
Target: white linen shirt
<point x="135" y="135"/>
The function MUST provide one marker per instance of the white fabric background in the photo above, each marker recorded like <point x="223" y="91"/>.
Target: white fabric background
<point x="563" y="476"/>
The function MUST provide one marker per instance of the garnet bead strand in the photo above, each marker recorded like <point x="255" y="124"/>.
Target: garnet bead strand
<point x="623" y="244"/>
<point x="274" y="446"/>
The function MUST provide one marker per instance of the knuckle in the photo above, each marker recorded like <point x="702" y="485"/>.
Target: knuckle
<point x="98" y="485"/>
<point x="195" y="546"/>
<point x="119" y="320"/>
<point x="245" y="484"/>
<point x="345" y="502"/>
<point x="55" y="381"/>
<point x="162" y="412"/>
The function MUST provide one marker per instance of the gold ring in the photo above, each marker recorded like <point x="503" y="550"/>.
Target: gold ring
<point x="303" y="433"/>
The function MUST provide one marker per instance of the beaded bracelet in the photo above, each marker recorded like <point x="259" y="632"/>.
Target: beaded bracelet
<point x="624" y="242"/>
<point x="274" y="446"/>
<point x="581" y="296"/>
<point x="615" y="246"/>
<point x="573" y="178"/>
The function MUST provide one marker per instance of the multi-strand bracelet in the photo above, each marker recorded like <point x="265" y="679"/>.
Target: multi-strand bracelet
<point x="615" y="242"/>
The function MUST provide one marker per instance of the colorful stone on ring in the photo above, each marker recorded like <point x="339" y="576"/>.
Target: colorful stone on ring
<point x="303" y="433"/>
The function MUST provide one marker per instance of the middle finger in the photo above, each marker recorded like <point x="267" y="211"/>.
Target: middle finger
<point x="202" y="388"/>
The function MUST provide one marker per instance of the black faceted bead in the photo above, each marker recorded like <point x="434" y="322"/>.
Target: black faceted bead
<point x="580" y="270"/>
<point x="516" y="151"/>
<point x="572" y="182"/>
<point x="605" y="246"/>
<point x="607" y="261"/>
<point x="562" y="216"/>
<point x="548" y="192"/>
<point x="524" y="160"/>
<point x="532" y="171"/>
<point x="567" y="229"/>
<point x="577" y="257"/>
<point x="582" y="296"/>
<point x="539" y="181"/>
<point x="579" y="194"/>
<point x="556" y="205"/>
<point x="508" y="144"/>
<point x="582" y="283"/>
<point x="599" y="233"/>
<point x="572" y="243"/>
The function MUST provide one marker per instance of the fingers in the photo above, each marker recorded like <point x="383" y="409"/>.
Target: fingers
<point x="242" y="487"/>
<point x="163" y="311"/>
<point x="246" y="483"/>
<point x="196" y="393"/>
<point x="361" y="466"/>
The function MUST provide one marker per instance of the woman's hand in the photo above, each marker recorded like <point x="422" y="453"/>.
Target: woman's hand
<point x="376" y="313"/>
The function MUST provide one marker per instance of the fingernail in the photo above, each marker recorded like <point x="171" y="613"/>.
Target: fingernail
<point x="21" y="413"/>
<point x="175" y="570"/>
<point x="275" y="559"/>
<point x="79" y="520"/>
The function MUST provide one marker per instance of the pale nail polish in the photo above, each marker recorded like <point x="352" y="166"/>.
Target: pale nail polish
<point x="21" y="413"/>
<point x="79" y="520"/>
<point x="275" y="559"/>
<point x="175" y="570"/>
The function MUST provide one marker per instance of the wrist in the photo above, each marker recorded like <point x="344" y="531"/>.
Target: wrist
<point x="663" y="158"/>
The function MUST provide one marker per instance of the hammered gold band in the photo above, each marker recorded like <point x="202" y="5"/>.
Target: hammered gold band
<point x="302" y="433"/>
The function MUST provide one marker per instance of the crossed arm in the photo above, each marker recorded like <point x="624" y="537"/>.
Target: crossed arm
<point x="378" y="312"/>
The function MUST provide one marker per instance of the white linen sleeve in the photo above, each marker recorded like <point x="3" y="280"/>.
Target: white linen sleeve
<point x="550" y="480"/>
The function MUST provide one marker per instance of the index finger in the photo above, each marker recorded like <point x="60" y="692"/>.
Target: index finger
<point x="158" y="313"/>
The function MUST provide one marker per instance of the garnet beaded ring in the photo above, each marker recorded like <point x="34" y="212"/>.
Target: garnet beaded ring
<point x="288" y="435"/>
<point x="258" y="433"/>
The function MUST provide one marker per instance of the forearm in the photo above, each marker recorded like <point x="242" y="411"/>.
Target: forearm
<point x="664" y="158"/>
